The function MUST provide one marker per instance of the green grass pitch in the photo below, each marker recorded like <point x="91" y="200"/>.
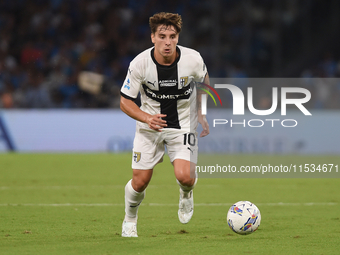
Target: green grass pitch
<point x="74" y="204"/>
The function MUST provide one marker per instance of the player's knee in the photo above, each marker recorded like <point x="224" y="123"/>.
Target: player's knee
<point x="139" y="184"/>
<point x="141" y="179"/>
<point x="186" y="181"/>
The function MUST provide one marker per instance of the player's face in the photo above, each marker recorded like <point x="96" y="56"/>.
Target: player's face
<point x="165" y="40"/>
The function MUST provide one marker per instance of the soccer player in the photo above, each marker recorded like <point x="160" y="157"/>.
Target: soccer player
<point x="164" y="75"/>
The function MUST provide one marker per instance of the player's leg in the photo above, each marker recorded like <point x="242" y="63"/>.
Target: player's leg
<point x="182" y="150"/>
<point x="134" y="195"/>
<point x="186" y="179"/>
<point x="148" y="151"/>
<point x="135" y="192"/>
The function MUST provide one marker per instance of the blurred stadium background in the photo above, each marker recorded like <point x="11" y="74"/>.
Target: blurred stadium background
<point x="62" y="63"/>
<point x="74" y="54"/>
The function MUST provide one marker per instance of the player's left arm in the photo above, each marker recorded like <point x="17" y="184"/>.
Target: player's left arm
<point x="202" y="118"/>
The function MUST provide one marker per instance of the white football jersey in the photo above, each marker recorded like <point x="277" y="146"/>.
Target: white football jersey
<point x="166" y="89"/>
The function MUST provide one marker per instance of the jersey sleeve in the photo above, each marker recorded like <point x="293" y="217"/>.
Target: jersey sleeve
<point x="201" y="70"/>
<point x="132" y="83"/>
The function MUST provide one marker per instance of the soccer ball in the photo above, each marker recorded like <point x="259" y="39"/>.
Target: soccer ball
<point x="244" y="217"/>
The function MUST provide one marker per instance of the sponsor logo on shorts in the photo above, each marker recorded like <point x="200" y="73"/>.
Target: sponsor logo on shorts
<point x="137" y="156"/>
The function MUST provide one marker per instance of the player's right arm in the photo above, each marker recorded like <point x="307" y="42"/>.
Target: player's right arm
<point x="129" y="93"/>
<point x="154" y="122"/>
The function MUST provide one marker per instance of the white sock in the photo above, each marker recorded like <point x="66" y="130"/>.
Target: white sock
<point x="132" y="201"/>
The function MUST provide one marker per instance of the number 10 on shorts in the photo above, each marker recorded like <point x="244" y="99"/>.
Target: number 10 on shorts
<point x="190" y="139"/>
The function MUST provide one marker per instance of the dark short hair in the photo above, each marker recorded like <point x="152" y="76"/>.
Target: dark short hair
<point x="167" y="19"/>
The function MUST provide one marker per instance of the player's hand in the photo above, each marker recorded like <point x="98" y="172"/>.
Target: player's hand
<point x="155" y="122"/>
<point x="203" y="121"/>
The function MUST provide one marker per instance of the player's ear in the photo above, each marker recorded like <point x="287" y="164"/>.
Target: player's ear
<point x="152" y="37"/>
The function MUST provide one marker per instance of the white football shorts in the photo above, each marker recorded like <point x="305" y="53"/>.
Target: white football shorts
<point x="149" y="146"/>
